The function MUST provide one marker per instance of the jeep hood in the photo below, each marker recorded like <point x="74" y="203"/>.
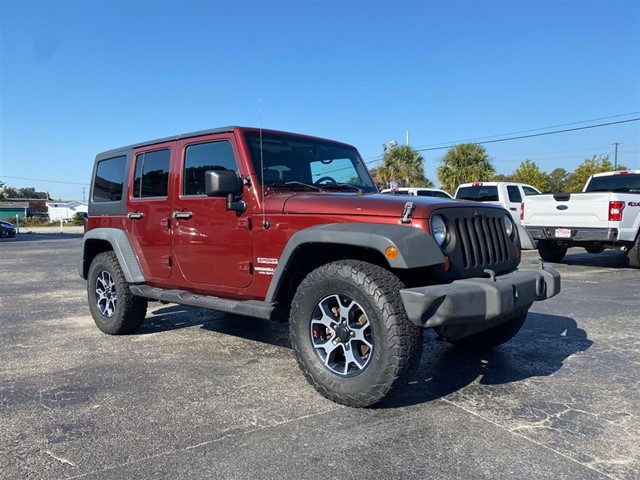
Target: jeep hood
<point x="332" y="203"/>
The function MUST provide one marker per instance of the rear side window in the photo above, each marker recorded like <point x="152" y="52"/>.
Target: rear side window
<point x="151" y="178"/>
<point x="201" y="157"/>
<point x="109" y="180"/>
<point x="514" y="194"/>
<point x="481" y="193"/>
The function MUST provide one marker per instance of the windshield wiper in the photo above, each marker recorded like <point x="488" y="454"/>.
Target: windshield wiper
<point x="293" y="183"/>
<point x="334" y="186"/>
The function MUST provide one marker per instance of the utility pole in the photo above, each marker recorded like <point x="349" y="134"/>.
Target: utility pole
<point x="615" y="164"/>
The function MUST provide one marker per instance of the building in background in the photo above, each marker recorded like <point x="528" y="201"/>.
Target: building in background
<point x="65" y="210"/>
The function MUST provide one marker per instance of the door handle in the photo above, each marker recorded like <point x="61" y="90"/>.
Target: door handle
<point x="135" y="216"/>
<point x="513" y="209"/>
<point x="182" y="215"/>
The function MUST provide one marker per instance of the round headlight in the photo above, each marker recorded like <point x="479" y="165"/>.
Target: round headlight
<point x="508" y="225"/>
<point x="439" y="230"/>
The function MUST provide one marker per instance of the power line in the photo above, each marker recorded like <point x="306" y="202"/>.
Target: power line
<point x="534" y="134"/>
<point x="531" y="130"/>
<point x="46" y="181"/>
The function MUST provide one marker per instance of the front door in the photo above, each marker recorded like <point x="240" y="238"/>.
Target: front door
<point x="149" y="211"/>
<point x="211" y="245"/>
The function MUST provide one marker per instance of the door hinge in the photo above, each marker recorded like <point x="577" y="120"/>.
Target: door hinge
<point x="244" y="223"/>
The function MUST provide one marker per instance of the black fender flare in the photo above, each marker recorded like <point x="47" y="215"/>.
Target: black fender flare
<point x="416" y="247"/>
<point x="122" y="248"/>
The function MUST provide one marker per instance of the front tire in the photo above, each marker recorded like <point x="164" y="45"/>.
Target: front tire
<point x="350" y="334"/>
<point x="551" y="251"/>
<point x="114" y="308"/>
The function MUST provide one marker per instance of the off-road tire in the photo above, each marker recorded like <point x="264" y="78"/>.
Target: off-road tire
<point x="493" y="337"/>
<point x="114" y="308"/>
<point x="374" y="294"/>
<point x="633" y="254"/>
<point x="550" y="251"/>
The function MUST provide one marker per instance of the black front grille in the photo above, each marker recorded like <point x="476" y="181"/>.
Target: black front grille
<point x="482" y="241"/>
<point x="478" y="241"/>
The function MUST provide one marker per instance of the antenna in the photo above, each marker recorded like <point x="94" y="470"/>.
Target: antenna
<point x="265" y="222"/>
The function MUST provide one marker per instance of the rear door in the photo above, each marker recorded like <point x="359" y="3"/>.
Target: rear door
<point x="512" y="201"/>
<point x="148" y="209"/>
<point x="211" y="245"/>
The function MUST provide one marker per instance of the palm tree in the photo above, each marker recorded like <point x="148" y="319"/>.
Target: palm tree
<point x="468" y="162"/>
<point x="402" y="166"/>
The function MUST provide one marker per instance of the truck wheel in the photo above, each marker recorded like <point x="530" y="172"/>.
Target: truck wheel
<point x="350" y="334"/>
<point x="550" y="251"/>
<point x="495" y="336"/>
<point x="633" y="254"/>
<point x="114" y="308"/>
<point x="594" y="249"/>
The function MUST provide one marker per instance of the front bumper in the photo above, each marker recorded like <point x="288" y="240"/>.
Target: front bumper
<point x="480" y="300"/>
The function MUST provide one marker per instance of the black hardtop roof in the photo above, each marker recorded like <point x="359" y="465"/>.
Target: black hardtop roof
<point x="199" y="133"/>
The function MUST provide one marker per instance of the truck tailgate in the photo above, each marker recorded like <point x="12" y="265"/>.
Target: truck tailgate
<point x="580" y="210"/>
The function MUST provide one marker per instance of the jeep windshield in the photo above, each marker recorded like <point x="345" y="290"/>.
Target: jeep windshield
<point x="289" y="161"/>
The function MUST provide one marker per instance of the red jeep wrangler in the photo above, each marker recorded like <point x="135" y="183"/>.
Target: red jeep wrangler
<point x="290" y="227"/>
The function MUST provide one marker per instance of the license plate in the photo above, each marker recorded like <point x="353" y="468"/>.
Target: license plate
<point x="563" y="232"/>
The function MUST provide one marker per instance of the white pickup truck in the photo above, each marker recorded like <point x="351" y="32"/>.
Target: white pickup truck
<point x="605" y="215"/>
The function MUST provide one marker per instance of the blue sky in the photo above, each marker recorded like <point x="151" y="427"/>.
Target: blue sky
<point x="81" y="77"/>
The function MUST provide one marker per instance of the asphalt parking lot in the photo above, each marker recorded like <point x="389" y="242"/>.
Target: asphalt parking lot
<point x="197" y="394"/>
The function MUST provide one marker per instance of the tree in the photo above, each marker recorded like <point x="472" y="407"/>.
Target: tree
<point x="595" y="164"/>
<point x="528" y="172"/>
<point x="468" y="162"/>
<point x="402" y="166"/>
<point x="557" y="180"/>
<point x="501" y="177"/>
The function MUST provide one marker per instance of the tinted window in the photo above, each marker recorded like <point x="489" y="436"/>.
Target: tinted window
<point x="629" y="183"/>
<point x="151" y="177"/>
<point x="514" y="194"/>
<point x="290" y="158"/>
<point x="109" y="180"/>
<point x="530" y="191"/>
<point x="202" y="157"/>
<point x="480" y="193"/>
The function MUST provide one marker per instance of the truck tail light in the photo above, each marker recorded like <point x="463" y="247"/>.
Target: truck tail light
<point x="522" y="211"/>
<point x="615" y="211"/>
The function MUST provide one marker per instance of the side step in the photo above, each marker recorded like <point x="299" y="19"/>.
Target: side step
<point x="250" y="308"/>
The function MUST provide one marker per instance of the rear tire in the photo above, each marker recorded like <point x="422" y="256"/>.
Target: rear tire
<point x="550" y="251"/>
<point x="114" y="308"/>
<point x="350" y="334"/>
<point x="633" y="254"/>
<point x="493" y="337"/>
<point x="594" y="249"/>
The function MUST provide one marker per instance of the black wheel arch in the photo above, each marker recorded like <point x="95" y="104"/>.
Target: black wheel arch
<point x="320" y="244"/>
<point x="110" y="239"/>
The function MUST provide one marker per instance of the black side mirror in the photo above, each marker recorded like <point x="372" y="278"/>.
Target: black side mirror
<point x="221" y="183"/>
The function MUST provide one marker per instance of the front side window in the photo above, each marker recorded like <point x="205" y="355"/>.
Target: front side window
<point x="201" y="157"/>
<point x="530" y="191"/>
<point x="109" y="180"/>
<point x="151" y="178"/>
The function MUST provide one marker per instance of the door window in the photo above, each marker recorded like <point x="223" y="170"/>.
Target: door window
<point x="201" y="157"/>
<point x="151" y="178"/>
<point x="514" y="194"/>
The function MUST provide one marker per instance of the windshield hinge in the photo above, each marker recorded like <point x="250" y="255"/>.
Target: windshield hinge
<point x="407" y="213"/>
